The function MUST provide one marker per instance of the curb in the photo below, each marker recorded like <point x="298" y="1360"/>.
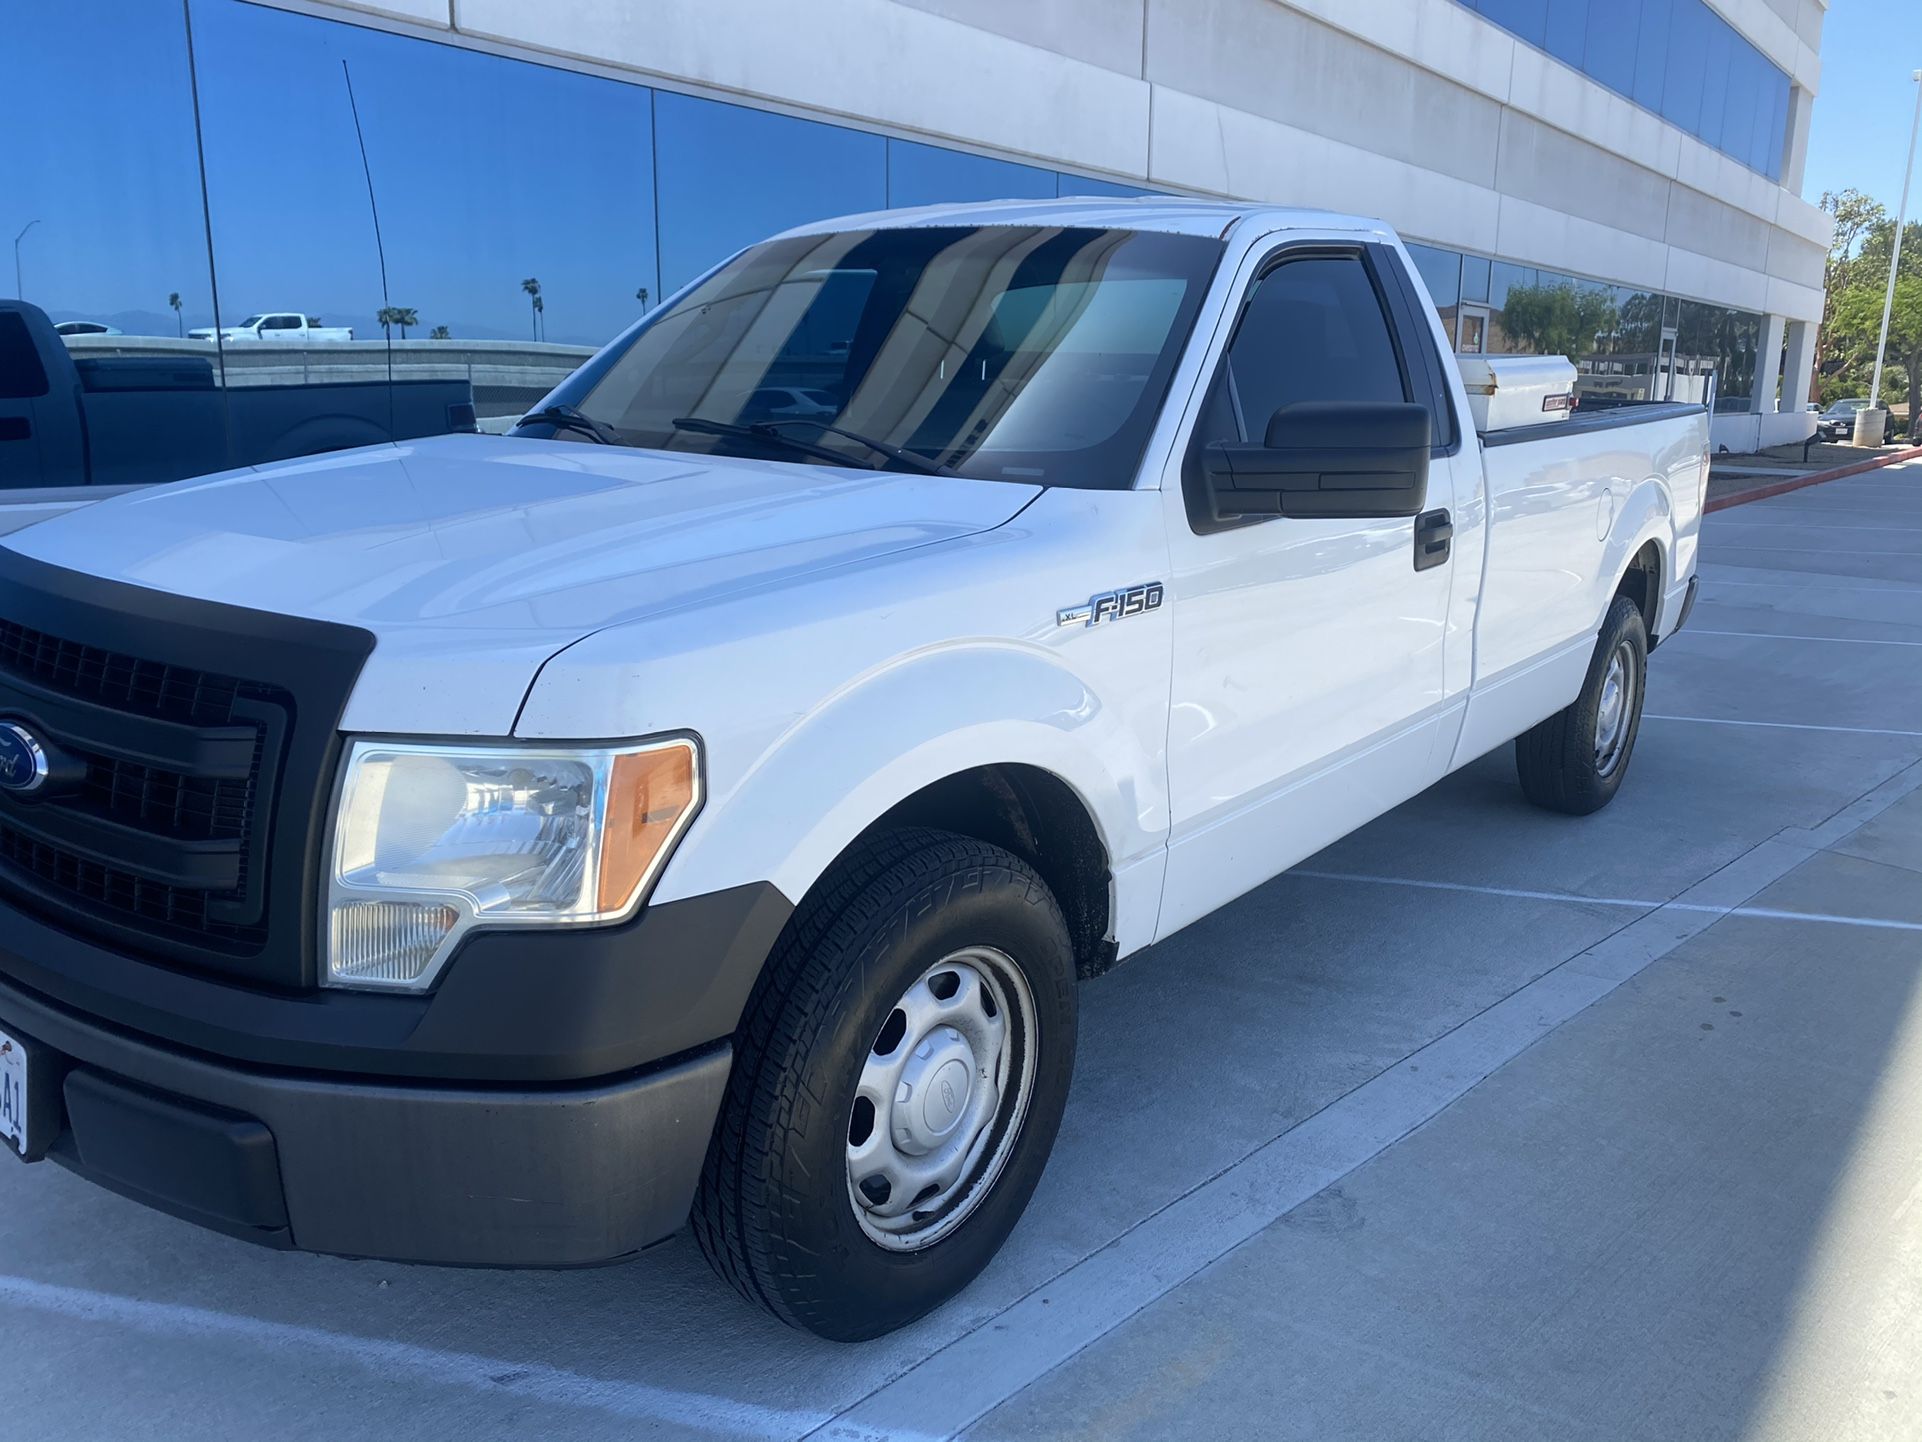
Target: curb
<point x="1796" y="483"/>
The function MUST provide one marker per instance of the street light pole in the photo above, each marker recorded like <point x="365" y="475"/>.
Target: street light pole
<point x="18" y="292"/>
<point x="1895" y="251"/>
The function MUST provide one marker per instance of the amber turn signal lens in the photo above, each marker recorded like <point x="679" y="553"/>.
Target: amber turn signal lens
<point x="649" y="794"/>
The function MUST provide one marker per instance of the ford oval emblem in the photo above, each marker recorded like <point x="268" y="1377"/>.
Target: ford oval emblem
<point x="23" y="760"/>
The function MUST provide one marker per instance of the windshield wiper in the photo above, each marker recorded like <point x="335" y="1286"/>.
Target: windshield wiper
<point x="771" y="431"/>
<point x="892" y="452"/>
<point x="567" y="418"/>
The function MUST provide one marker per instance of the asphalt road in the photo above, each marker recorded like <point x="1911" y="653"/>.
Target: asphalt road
<point x="1483" y="1123"/>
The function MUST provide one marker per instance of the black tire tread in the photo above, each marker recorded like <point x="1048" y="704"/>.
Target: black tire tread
<point x="795" y="998"/>
<point x="1554" y="759"/>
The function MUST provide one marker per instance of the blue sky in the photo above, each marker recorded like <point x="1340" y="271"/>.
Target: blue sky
<point x="1860" y="130"/>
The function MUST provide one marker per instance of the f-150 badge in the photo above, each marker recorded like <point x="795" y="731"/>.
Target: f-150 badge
<point x="1112" y="606"/>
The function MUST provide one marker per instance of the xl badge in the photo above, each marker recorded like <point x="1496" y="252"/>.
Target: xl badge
<point x="23" y="760"/>
<point x="1112" y="606"/>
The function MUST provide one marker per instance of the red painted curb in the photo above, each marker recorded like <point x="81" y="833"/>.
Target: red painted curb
<point x="1796" y="483"/>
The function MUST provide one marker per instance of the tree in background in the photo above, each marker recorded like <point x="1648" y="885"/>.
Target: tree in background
<point x="1855" y="280"/>
<point x="397" y="315"/>
<point x="1559" y="319"/>
<point x="180" y="325"/>
<point x="641" y="296"/>
<point x="439" y="332"/>
<point x="532" y="289"/>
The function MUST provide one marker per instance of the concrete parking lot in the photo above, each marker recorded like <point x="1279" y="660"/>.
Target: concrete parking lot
<point x="1483" y="1123"/>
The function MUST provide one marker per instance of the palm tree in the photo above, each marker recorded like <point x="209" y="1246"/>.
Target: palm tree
<point x="397" y="315"/>
<point x="540" y="319"/>
<point x="532" y="287"/>
<point x="180" y="325"/>
<point x="641" y="296"/>
<point x="439" y="332"/>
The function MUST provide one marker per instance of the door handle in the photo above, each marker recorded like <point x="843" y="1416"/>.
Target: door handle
<point x="1434" y="535"/>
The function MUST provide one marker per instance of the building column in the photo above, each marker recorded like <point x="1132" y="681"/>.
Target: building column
<point x="1796" y="423"/>
<point x="1801" y="365"/>
<point x="1768" y="366"/>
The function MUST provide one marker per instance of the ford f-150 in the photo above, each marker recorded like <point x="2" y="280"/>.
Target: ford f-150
<point x="503" y="849"/>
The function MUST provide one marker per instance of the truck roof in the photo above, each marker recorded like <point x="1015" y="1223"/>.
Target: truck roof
<point x="1171" y="213"/>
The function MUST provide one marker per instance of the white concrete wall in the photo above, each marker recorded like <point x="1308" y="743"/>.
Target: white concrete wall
<point x="1418" y="111"/>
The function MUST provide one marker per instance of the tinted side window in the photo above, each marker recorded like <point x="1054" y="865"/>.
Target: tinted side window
<point x="1312" y="330"/>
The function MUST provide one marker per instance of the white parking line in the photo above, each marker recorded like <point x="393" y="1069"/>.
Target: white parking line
<point x="531" y="1381"/>
<point x="1782" y="636"/>
<point x="1780" y="725"/>
<point x="1798" y="523"/>
<point x="1888" y="588"/>
<point x="1810" y="550"/>
<point x="1767" y="913"/>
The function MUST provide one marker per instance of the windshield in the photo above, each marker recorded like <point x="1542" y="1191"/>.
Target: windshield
<point x="1026" y="353"/>
<point x="252" y="320"/>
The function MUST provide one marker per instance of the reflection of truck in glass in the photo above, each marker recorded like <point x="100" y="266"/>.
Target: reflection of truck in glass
<point x="73" y="422"/>
<point x="281" y="325"/>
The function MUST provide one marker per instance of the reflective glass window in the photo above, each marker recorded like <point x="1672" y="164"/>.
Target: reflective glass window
<point x="934" y="175"/>
<point x="1526" y="18"/>
<point x="512" y="295"/>
<point x="1475" y="277"/>
<point x="102" y="231"/>
<point x="1568" y="30"/>
<point x="1651" y="53"/>
<point x="293" y="231"/>
<point x="1504" y="280"/>
<point x="730" y="176"/>
<point x="1441" y="273"/>
<point x="1608" y="48"/>
<point x="1718" y="55"/>
<point x="1778" y="126"/>
<point x="1067" y="183"/>
<point x="1763" y="120"/>
<point x="1682" y="80"/>
<point x="1711" y="338"/>
<point x="1738" y="106"/>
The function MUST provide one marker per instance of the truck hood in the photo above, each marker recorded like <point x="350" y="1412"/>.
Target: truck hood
<point x="472" y="559"/>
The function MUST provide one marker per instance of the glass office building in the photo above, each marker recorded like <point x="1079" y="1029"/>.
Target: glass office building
<point x="395" y="219"/>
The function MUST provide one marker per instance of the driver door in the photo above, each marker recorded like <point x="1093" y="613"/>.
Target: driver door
<point x="1308" y="674"/>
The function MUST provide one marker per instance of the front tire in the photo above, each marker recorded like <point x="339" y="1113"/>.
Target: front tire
<point x="1575" y="760"/>
<point x="898" y="1081"/>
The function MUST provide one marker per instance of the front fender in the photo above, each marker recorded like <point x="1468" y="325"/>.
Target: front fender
<point x="783" y="808"/>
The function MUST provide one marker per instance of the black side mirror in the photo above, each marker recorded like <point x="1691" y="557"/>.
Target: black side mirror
<point x="1358" y="459"/>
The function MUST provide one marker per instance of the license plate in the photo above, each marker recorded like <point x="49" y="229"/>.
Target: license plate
<point x="13" y="1092"/>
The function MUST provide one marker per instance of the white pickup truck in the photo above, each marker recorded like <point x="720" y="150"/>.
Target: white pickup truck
<point x="499" y="849"/>
<point x="287" y="326"/>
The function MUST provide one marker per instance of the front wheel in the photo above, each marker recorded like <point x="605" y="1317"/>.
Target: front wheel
<point x="1575" y="760"/>
<point x="897" y="1085"/>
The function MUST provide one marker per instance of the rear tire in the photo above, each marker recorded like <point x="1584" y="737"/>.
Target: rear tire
<point x="841" y="1192"/>
<point x="1575" y="760"/>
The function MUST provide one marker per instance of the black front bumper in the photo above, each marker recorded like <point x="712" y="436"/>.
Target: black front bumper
<point x="549" y="1104"/>
<point x="482" y="1176"/>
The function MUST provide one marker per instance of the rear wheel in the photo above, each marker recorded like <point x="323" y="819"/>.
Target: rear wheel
<point x="1575" y="760"/>
<point x="897" y="1085"/>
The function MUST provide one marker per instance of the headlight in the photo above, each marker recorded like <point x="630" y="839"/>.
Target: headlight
<point x="432" y="841"/>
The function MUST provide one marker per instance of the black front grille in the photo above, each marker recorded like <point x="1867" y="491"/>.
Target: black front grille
<point x="52" y="846"/>
<point x="198" y="743"/>
<point x="126" y="683"/>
